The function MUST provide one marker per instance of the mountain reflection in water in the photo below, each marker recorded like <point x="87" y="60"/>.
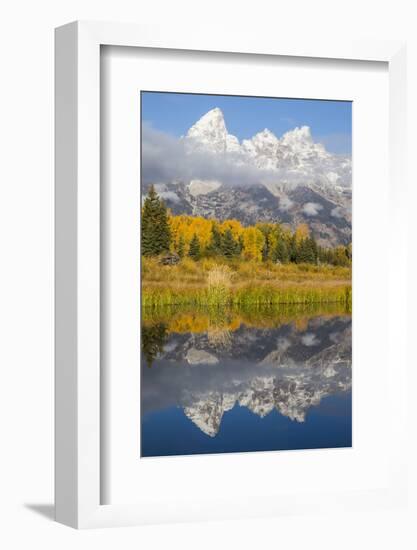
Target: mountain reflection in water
<point x="233" y="381"/>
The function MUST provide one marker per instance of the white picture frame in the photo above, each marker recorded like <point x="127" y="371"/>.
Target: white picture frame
<point x="77" y="243"/>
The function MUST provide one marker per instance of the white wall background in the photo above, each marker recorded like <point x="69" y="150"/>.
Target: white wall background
<point x="26" y="267"/>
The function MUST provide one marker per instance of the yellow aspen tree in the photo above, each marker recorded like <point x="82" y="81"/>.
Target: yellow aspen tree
<point x="302" y="232"/>
<point x="253" y="243"/>
<point x="235" y="227"/>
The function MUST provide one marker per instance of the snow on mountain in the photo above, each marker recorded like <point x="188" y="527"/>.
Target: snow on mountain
<point x="263" y="150"/>
<point x="210" y="134"/>
<point x="296" y="151"/>
<point x="202" y="187"/>
<point x="284" y="176"/>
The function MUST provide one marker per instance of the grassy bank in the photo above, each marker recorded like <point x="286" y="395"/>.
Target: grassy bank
<point x="212" y="282"/>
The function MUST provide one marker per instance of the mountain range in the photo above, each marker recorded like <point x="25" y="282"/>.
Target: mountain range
<point x="292" y="179"/>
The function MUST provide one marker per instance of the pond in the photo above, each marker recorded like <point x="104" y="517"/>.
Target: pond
<point x="226" y="380"/>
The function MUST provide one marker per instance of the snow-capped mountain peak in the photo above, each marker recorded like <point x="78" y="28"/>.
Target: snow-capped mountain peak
<point x="300" y="134"/>
<point x="265" y="139"/>
<point x="267" y="135"/>
<point x="263" y="149"/>
<point x="210" y="133"/>
<point x="295" y="150"/>
<point x="266" y="177"/>
<point x="213" y="118"/>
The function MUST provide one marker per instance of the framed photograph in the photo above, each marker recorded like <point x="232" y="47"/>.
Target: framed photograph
<point x="229" y="267"/>
<point x="246" y="275"/>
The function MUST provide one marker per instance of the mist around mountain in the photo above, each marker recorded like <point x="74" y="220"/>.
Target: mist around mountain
<point x="289" y="179"/>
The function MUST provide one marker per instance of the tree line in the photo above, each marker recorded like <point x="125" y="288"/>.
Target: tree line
<point x="198" y="237"/>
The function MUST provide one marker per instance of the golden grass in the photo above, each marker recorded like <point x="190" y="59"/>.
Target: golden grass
<point x="211" y="282"/>
<point x="219" y="282"/>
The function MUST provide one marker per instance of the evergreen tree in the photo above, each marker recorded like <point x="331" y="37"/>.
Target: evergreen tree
<point x="195" y="248"/>
<point x="153" y="340"/>
<point x="280" y="253"/>
<point x="314" y="249"/>
<point x="305" y="252"/>
<point x="292" y="251"/>
<point x="229" y="246"/>
<point x="155" y="234"/>
<point x="215" y="244"/>
<point x="181" y="246"/>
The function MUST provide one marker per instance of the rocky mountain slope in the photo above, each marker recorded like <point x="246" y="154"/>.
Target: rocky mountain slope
<point x="291" y="179"/>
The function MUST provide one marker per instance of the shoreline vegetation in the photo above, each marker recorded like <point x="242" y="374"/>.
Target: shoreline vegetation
<point x="212" y="263"/>
<point x="210" y="283"/>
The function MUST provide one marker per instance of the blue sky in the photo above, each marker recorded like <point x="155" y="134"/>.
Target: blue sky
<point x="330" y="121"/>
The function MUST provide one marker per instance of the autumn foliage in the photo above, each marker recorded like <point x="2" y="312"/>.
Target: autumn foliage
<point x="200" y="238"/>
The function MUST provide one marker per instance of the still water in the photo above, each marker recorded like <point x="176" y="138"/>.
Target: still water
<point x="222" y="381"/>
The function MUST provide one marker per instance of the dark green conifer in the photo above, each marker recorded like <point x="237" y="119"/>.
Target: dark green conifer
<point x="293" y="249"/>
<point x="314" y="249"/>
<point x="305" y="252"/>
<point x="195" y="249"/>
<point x="153" y="340"/>
<point x="280" y="253"/>
<point x="215" y="245"/>
<point x="229" y="246"/>
<point x="155" y="234"/>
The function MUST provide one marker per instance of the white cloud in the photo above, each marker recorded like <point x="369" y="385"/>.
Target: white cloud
<point x="310" y="339"/>
<point x="285" y="203"/>
<point x="312" y="208"/>
<point x="337" y="212"/>
<point x="169" y="195"/>
<point x="165" y="159"/>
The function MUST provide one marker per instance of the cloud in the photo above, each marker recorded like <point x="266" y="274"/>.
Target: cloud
<point x="165" y="159"/>
<point x="285" y="203"/>
<point x="337" y="212"/>
<point x="310" y="339"/>
<point x="170" y="346"/>
<point x="312" y="208"/>
<point x="169" y="195"/>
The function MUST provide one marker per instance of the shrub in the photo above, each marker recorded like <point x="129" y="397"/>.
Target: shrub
<point x="219" y="280"/>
